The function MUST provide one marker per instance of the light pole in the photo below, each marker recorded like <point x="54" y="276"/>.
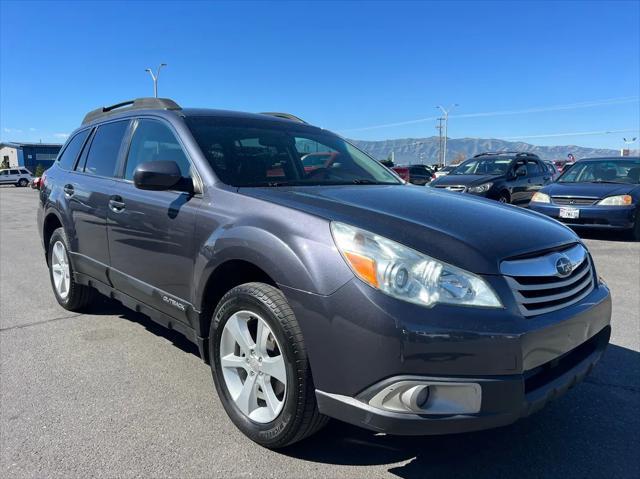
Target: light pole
<point x="628" y="142"/>
<point x="445" y="112"/>
<point x="155" y="78"/>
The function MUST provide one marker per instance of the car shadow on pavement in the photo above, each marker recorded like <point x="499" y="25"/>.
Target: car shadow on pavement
<point x="107" y="306"/>
<point x="592" y="431"/>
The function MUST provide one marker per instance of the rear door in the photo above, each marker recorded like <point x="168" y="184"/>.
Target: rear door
<point x="14" y="176"/>
<point x="87" y="191"/>
<point x="151" y="232"/>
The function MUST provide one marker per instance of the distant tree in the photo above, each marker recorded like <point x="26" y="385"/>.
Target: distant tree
<point x="39" y="170"/>
<point x="5" y="164"/>
<point x="459" y="158"/>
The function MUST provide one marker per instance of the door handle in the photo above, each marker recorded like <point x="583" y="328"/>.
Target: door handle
<point x="116" y="204"/>
<point x="68" y="190"/>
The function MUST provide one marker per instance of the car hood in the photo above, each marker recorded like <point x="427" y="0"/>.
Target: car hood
<point x="591" y="190"/>
<point x="463" y="230"/>
<point x="467" y="180"/>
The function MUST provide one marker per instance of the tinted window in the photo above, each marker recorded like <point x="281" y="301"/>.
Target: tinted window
<point x="24" y="172"/>
<point x="71" y="152"/>
<point x="103" y="152"/>
<point x="14" y="172"/>
<point x="4" y="172"/>
<point x="154" y="141"/>
<point x="483" y="166"/>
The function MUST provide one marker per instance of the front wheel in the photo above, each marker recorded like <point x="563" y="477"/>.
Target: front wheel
<point x="23" y="182"/>
<point x="260" y="367"/>
<point x="504" y="197"/>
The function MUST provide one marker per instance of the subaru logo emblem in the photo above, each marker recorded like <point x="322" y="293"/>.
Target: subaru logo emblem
<point x="563" y="266"/>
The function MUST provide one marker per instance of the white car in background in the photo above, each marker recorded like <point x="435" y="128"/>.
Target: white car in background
<point x="16" y="176"/>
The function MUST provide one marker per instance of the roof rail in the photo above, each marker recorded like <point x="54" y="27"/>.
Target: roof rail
<point x="137" y="104"/>
<point x="286" y="116"/>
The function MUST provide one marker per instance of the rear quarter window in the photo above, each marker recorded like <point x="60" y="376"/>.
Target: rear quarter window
<point x="70" y="154"/>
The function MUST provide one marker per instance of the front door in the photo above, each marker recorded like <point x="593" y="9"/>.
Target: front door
<point x="151" y="232"/>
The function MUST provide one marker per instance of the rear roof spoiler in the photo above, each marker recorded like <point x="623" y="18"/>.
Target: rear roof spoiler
<point x="286" y="116"/>
<point x="137" y="104"/>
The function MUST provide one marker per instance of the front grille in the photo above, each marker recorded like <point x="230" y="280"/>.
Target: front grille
<point x="539" y="289"/>
<point x="569" y="200"/>
<point x="457" y="188"/>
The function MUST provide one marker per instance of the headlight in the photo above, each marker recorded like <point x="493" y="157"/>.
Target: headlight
<point x="620" y="200"/>
<point x="406" y="274"/>
<point x="483" y="188"/>
<point x="540" y="197"/>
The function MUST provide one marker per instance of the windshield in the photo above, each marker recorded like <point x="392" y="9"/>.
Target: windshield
<point x="483" y="166"/>
<point x="262" y="153"/>
<point x="603" y="171"/>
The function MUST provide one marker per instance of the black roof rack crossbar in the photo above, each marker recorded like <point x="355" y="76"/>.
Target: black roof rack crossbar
<point x="137" y="104"/>
<point x="286" y="116"/>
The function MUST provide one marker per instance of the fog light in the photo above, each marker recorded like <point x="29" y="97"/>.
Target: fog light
<point x="415" y="398"/>
<point x="428" y="397"/>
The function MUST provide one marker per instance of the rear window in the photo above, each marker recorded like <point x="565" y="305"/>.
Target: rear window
<point x="70" y="154"/>
<point x="105" y="147"/>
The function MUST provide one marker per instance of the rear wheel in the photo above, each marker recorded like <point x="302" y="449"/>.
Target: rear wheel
<point x="69" y="294"/>
<point x="260" y="367"/>
<point x="23" y="182"/>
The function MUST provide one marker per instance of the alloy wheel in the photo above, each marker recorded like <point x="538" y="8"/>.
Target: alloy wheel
<point x="60" y="269"/>
<point x="253" y="366"/>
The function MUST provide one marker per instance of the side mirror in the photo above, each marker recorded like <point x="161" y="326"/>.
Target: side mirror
<point x="157" y="175"/>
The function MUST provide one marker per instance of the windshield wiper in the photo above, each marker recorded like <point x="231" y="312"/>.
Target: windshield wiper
<point x="613" y="182"/>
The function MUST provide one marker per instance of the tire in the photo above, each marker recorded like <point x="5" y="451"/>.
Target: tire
<point x="504" y="197"/>
<point x="297" y="416"/>
<point x="77" y="296"/>
<point x="635" y="232"/>
<point x="23" y="182"/>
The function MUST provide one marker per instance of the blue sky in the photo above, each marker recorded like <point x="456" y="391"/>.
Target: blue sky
<point x="517" y="69"/>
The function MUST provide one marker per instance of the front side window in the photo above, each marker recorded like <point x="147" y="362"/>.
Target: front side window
<point x="154" y="141"/>
<point x="105" y="147"/>
<point x="70" y="154"/>
<point x="261" y="153"/>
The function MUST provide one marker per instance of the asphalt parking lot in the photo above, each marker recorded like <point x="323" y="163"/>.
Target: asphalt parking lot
<point x="111" y="394"/>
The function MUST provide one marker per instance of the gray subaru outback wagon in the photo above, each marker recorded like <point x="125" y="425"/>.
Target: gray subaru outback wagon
<point x="325" y="290"/>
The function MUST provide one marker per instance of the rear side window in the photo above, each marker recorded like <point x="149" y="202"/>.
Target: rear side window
<point x="14" y="172"/>
<point x="533" y="169"/>
<point x="103" y="152"/>
<point x="153" y="141"/>
<point x="71" y="152"/>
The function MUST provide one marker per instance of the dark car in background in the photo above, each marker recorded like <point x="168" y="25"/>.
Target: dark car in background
<point x="553" y="171"/>
<point x="331" y="292"/>
<point x="595" y="193"/>
<point x="508" y="177"/>
<point x="415" y="174"/>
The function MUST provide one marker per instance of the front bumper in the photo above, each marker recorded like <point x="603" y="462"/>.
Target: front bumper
<point x="358" y="339"/>
<point x="504" y="400"/>
<point x="613" y="217"/>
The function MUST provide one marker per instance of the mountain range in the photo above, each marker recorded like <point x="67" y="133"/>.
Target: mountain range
<point x="425" y="150"/>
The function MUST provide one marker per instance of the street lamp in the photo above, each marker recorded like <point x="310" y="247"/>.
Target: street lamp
<point x="628" y="142"/>
<point x="155" y="78"/>
<point x="445" y="112"/>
